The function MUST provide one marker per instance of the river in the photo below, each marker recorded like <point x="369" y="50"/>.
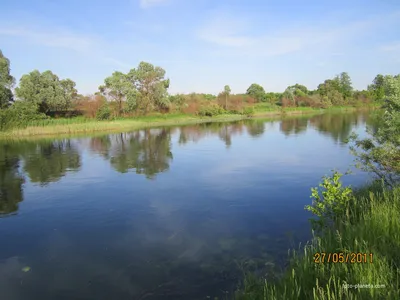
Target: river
<point x="163" y="213"/>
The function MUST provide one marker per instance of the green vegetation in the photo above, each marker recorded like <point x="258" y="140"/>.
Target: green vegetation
<point x="368" y="225"/>
<point x="360" y="225"/>
<point x="41" y="97"/>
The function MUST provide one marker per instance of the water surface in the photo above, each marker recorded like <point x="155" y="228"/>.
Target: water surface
<point x="164" y="213"/>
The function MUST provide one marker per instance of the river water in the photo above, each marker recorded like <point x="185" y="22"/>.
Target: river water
<point x="163" y="213"/>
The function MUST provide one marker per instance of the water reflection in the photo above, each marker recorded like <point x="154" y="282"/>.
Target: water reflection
<point x="147" y="152"/>
<point x="11" y="180"/>
<point x="47" y="162"/>
<point x="108" y="233"/>
<point x="293" y="125"/>
<point x="338" y="126"/>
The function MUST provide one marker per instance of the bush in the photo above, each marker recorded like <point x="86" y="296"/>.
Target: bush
<point x="248" y="111"/>
<point x="104" y="112"/>
<point x="330" y="203"/>
<point x="19" y="115"/>
<point x="89" y="105"/>
<point x="212" y="109"/>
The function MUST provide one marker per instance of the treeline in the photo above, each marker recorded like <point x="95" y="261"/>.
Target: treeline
<point x="144" y="90"/>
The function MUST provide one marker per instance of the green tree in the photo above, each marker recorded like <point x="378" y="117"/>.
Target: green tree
<point x="227" y="92"/>
<point x="346" y="88"/>
<point x="47" y="91"/>
<point x="6" y="82"/>
<point x="257" y="92"/>
<point x="119" y="88"/>
<point x="377" y="88"/>
<point x="150" y="86"/>
<point x="380" y="153"/>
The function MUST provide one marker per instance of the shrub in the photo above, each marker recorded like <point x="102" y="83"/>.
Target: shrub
<point x="212" y="109"/>
<point x="249" y="111"/>
<point x="104" y="112"/>
<point x="330" y="202"/>
<point x="20" y="114"/>
<point x="89" y="105"/>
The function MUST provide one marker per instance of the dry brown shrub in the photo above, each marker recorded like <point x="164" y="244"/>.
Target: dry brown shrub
<point x="89" y="105"/>
<point x="287" y="102"/>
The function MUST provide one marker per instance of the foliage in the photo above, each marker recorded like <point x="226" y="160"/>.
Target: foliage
<point x="19" y="115"/>
<point x="368" y="224"/>
<point x="378" y="88"/>
<point x="345" y="85"/>
<point x="150" y="86"/>
<point x="249" y="111"/>
<point x="257" y="92"/>
<point x="210" y="110"/>
<point x="118" y="88"/>
<point x="104" y="112"/>
<point x="331" y="201"/>
<point x="89" y="105"/>
<point x="6" y="82"/>
<point x="380" y="152"/>
<point x="46" y="91"/>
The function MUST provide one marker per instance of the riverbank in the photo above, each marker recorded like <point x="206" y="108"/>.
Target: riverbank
<point x="66" y="127"/>
<point x="368" y="235"/>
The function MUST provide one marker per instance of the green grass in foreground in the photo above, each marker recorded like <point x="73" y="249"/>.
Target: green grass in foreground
<point x="371" y="225"/>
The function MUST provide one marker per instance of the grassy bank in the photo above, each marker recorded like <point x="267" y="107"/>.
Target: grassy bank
<point x="80" y="125"/>
<point x="370" y="226"/>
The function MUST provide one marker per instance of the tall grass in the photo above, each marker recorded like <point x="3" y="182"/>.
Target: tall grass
<point x="370" y="225"/>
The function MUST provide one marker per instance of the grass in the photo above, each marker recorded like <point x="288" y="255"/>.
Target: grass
<point x="371" y="225"/>
<point x="81" y="125"/>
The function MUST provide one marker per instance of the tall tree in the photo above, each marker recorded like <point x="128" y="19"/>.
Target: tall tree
<point x="151" y="86"/>
<point x="119" y="88"/>
<point x="345" y="85"/>
<point x="227" y="92"/>
<point x="257" y="92"/>
<point x="377" y="88"/>
<point x="47" y="91"/>
<point x="6" y="82"/>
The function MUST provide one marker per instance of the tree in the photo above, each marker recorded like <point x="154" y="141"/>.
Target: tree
<point x="227" y="91"/>
<point x="377" y="88"/>
<point x="345" y="85"/>
<point x="380" y="153"/>
<point x="119" y="88"/>
<point x="257" y="92"/>
<point x="46" y="91"/>
<point x="151" y="86"/>
<point x="6" y="82"/>
<point x="289" y="93"/>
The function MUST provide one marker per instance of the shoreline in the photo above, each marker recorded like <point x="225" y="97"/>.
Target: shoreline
<point x="117" y="126"/>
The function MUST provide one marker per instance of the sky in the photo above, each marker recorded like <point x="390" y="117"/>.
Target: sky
<point x="205" y="44"/>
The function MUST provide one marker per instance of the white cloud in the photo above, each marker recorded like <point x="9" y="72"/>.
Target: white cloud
<point x="151" y="3"/>
<point x="391" y="47"/>
<point x="60" y="38"/>
<point x="233" y="34"/>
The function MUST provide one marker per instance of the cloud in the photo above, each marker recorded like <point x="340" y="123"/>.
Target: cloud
<point x="234" y="34"/>
<point x="393" y="47"/>
<point x="59" y="38"/>
<point x="53" y="39"/>
<point x="151" y="3"/>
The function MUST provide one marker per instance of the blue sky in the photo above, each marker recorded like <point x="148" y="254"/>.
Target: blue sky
<point x="204" y="44"/>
